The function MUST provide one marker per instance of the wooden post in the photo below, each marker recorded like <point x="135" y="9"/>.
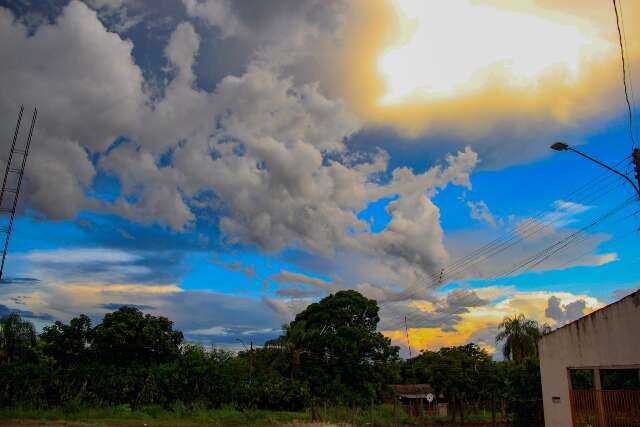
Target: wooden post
<point x="395" y="410"/>
<point x="602" y="421"/>
<point x="372" y="416"/>
<point x="493" y="409"/>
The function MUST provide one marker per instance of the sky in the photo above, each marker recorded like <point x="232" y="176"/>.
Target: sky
<point x="226" y="163"/>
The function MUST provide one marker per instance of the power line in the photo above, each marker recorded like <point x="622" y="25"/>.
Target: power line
<point x="592" y="190"/>
<point x="629" y="64"/>
<point x="624" y="74"/>
<point x="529" y="263"/>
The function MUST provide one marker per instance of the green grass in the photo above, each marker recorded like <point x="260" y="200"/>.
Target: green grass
<point x="179" y="415"/>
<point x="156" y="415"/>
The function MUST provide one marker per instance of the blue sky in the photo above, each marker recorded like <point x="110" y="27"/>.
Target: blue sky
<point x="196" y="160"/>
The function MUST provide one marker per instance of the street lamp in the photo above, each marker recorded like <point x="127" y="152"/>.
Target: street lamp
<point x="561" y="146"/>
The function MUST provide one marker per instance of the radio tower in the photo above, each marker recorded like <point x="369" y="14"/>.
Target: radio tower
<point x="12" y="181"/>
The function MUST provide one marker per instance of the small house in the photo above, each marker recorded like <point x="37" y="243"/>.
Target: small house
<point x="418" y="399"/>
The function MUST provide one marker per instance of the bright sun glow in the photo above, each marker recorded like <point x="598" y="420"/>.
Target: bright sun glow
<point x="458" y="46"/>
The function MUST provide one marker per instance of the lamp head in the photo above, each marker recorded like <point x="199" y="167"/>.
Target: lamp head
<point x="559" y="146"/>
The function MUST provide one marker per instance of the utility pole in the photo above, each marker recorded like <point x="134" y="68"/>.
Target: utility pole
<point x="12" y="182"/>
<point x="406" y="330"/>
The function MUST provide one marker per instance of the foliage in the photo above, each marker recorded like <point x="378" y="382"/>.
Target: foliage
<point x="136" y="359"/>
<point x="520" y="336"/>
<point x="466" y="375"/>
<point x="341" y="354"/>
<point x="524" y="393"/>
<point x="17" y="338"/>
<point x="330" y="361"/>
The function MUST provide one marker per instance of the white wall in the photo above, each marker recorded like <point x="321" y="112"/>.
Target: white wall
<point x="608" y="337"/>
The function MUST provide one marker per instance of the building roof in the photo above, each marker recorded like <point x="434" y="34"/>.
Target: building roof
<point x="412" y="391"/>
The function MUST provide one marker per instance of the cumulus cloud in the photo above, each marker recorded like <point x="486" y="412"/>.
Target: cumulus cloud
<point x="217" y="13"/>
<point x="65" y="60"/>
<point x="564" y="313"/>
<point x="262" y="154"/>
<point x="479" y="323"/>
<point x="465" y="298"/>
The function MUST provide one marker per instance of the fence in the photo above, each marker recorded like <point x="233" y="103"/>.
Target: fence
<point x="605" y="408"/>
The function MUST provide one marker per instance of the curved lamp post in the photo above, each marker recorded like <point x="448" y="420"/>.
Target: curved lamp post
<point x="561" y="146"/>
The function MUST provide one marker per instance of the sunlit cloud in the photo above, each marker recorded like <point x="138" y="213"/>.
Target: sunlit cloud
<point x="458" y="46"/>
<point x="479" y="324"/>
<point x="464" y="68"/>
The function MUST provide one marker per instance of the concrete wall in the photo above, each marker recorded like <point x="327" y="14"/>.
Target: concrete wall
<point x="609" y="337"/>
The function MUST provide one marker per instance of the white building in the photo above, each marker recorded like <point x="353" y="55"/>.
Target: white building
<point x="591" y="368"/>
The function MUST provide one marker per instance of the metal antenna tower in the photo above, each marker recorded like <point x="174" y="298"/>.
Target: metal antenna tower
<point x="12" y="181"/>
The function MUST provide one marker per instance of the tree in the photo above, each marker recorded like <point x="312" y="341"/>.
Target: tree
<point x="465" y="374"/>
<point x="17" y="338"/>
<point x="129" y="335"/>
<point x="523" y="393"/>
<point x="293" y="343"/>
<point x="344" y="358"/>
<point x="68" y="344"/>
<point x="520" y="336"/>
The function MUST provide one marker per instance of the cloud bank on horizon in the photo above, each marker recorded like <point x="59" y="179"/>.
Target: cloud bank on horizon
<point x="178" y="131"/>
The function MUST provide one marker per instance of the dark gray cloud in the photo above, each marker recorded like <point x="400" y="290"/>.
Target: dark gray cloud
<point x="112" y="306"/>
<point x="26" y="314"/>
<point x="621" y="293"/>
<point x="19" y="281"/>
<point x="564" y="313"/>
<point x="465" y="298"/>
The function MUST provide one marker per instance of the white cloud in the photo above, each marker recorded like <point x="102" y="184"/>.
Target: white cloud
<point x="81" y="255"/>
<point x="217" y="13"/>
<point x="480" y="211"/>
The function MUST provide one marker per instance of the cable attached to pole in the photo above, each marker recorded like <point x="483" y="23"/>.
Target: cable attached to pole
<point x="624" y="75"/>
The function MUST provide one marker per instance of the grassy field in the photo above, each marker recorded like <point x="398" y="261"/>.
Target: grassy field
<point x="123" y="415"/>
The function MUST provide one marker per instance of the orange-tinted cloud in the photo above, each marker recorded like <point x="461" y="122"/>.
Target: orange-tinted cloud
<point x="555" y="98"/>
<point x="479" y="324"/>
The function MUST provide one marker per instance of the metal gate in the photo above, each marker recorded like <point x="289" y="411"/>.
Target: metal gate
<point x="605" y="408"/>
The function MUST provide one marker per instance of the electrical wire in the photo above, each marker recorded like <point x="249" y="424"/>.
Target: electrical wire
<point x="624" y="74"/>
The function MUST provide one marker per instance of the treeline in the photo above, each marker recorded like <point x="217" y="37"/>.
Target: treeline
<point x="331" y="354"/>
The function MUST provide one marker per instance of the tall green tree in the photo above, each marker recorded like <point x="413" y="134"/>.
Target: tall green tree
<point x="520" y="336"/>
<point x="128" y="334"/>
<point x="344" y="358"/>
<point x="17" y="338"/>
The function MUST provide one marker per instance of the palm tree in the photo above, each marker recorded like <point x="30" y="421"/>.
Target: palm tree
<point x="16" y="337"/>
<point x="520" y="336"/>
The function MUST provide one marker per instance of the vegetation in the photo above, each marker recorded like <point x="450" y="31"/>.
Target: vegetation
<point x="329" y="362"/>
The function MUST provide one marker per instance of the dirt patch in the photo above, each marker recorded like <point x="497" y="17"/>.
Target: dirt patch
<point x="40" y="423"/>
